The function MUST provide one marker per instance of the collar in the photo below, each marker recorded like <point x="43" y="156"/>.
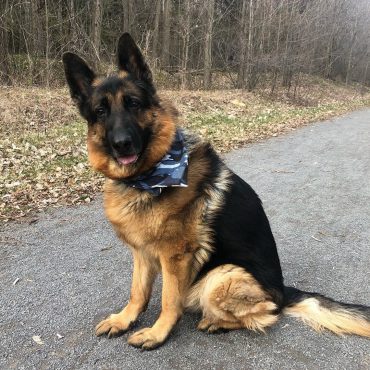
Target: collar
<point x="170" y="171"/>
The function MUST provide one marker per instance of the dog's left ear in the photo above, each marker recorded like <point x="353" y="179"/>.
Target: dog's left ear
<point x="131" y="60"/>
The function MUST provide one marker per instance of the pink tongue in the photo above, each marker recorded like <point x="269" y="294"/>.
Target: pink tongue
<point x="127" y="160"/>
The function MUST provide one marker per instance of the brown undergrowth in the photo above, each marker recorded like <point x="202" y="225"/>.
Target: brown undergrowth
<point x="42" y="138"/>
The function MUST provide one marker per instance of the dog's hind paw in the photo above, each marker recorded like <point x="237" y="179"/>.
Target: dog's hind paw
<point x="113" y="326"/>
<point x="209" y="326"/>
<point x="217" y="326"/>
<point x="204" y="324"/>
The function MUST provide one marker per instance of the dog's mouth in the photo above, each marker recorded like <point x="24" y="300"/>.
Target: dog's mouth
<point x="128" y="159"/>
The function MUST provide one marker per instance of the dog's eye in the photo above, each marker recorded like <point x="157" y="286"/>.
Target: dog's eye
<point x="133" y="103"/>
<point x="100" y="111"/>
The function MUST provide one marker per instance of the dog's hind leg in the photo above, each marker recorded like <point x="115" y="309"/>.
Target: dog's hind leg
<point x="231" y="298"/>
<point x="142" y="281"/>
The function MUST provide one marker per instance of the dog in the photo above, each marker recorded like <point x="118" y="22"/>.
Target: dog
<point x="183" y="213"/>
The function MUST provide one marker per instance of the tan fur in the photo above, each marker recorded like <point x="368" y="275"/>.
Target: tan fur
<point x="142" y="282"/>
<point x="175" y="271"/>
<point x="340" y="321"/>
<point x="117" y="100"/>
<point x="122" y="74"/>
<point x="230" y="297"/>
<point x="212" y="204"/>
<point x="164" y="131"/>
<point x="97" y="81"/>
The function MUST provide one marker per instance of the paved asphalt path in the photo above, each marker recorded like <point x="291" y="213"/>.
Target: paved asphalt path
<point x="73" y="271"/>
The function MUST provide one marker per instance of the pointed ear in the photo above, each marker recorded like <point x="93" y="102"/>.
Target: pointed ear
<point x="131" y="60"/>
<point x="79" y="77"/>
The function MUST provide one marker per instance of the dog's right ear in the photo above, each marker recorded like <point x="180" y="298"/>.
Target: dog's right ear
<point x="131" y="60"/>
<point x="79" y="77"/>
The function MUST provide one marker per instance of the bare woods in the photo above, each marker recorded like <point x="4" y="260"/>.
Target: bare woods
<point x="191" y="43"/>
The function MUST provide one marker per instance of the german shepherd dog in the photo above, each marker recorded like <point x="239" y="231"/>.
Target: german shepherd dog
<point x="184" y="213"/>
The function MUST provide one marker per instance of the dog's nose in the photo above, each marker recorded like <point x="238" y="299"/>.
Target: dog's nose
<point x="122" y="143"/>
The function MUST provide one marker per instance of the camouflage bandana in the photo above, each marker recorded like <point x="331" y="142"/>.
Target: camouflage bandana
<point x="171" y="171"/>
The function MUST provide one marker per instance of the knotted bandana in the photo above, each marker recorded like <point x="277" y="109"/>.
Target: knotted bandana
<point x="170" y="171"/>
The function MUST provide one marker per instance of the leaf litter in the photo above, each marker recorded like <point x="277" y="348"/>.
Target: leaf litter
<point x="43" y="156"/>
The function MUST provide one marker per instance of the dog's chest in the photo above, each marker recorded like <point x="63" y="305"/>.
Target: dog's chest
<point x="139" y="219"/>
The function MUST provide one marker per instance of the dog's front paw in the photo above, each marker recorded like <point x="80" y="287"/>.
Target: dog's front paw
<point x="147" y="338"/>
<point x="113" y="326"/>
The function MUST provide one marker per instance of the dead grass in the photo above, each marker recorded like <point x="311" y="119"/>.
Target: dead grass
<point x="43" y="159"/>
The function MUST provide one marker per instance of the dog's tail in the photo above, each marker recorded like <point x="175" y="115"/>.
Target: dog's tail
<point x="321" y="313"/>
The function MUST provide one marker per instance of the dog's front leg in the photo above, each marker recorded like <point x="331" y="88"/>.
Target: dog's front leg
<point x="176" y="279"/>
<point x="142" y="281"/>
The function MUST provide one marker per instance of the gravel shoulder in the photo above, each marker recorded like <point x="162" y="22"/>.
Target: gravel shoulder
<point x="61" y="275"/>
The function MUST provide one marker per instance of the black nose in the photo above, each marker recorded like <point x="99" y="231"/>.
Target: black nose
<point x="122" y="143"/>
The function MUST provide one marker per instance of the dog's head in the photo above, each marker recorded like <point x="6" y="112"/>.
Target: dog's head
<point x="129" y="130"/>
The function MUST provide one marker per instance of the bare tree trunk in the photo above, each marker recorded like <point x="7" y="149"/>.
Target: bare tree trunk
<point x="277" y="51"/>
<point x="96" y="26"/>
<point x="263" y="28"/>
<point x="349" y="62"/>
<point x="156" y="31"/>
<point x="36" y="47"/>
<point x="166" y="33"/>
<point x="4" y="55"/>
<point x="208" y="44"/>
<point x="72" y="21"/>
<point x="243" y="46"/>
<point x="47" y="72"/>
<point x="33" y="35"/>
<point x="250" y="76"/>
<point x="332" y="10"/>
<point x="287" y="68"/>
<point x="270" y="15"/>
<point x="364" y="78"/>
<point x="127" y="15"/>
<point x="185" y="47"/>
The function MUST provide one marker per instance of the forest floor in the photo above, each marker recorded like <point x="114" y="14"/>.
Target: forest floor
<point x="43" y="158"/>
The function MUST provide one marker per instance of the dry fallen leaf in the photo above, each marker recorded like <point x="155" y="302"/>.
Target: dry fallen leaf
<point x="37" y="339"/>
<point x="238" y="103"/>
